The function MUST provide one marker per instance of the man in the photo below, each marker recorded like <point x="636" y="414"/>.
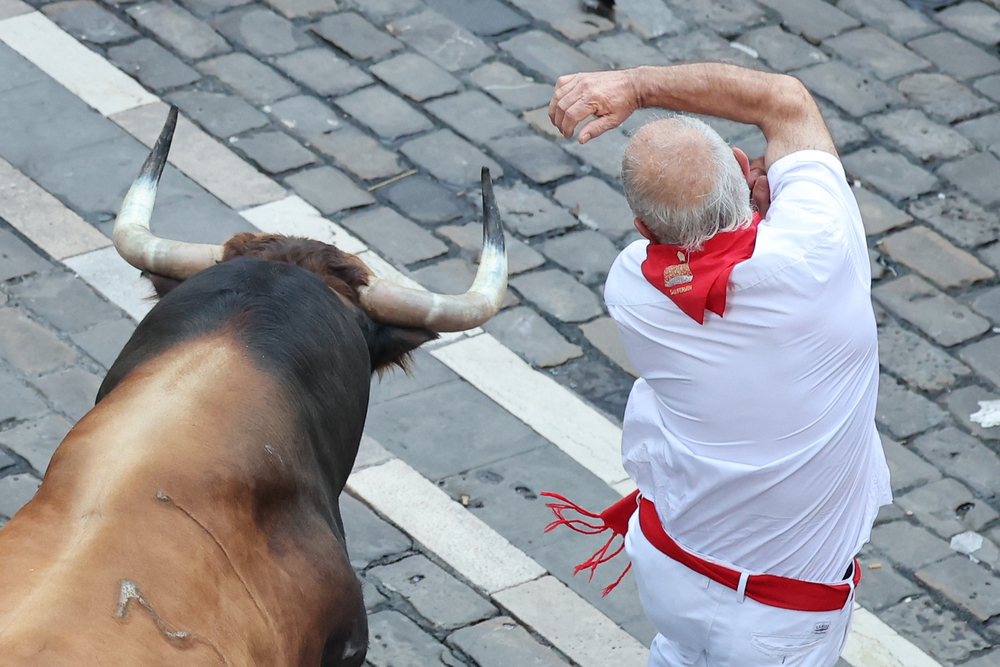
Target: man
<point x="750" y="432"/>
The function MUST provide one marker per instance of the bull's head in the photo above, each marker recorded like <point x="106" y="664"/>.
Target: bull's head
<point x="383" y="301"/>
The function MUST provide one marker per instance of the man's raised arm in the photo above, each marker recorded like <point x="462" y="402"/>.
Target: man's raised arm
<point x="776" y="103"/>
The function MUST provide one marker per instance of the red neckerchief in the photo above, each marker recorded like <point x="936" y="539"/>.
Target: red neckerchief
<point x="697" y="281"/>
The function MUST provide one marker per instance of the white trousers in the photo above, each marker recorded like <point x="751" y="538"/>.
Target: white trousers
<point x="705" y="624"/>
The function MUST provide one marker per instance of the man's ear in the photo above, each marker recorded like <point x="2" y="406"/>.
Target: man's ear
<point x="744" y="161"/>
<point x="644" y="230"/>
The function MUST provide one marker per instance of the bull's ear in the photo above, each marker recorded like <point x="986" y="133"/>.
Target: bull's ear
<point x="161" y="284"/>
<point x="388" y="346"/>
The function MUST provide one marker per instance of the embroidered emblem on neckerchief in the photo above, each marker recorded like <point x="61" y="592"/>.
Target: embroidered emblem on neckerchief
<point x="697" y="281"/>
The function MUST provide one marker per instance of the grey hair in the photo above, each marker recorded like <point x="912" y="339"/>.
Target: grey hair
<point x="725" y="208"/>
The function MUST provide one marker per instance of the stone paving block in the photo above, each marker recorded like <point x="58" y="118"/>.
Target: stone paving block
<point x="909" y="545"/>
<point x="483" y="17"/>
<point x="426" y="372"/>
<point x="705" y="45"/>
<point x="889" y="172"/>
<point x="782" y="51"/>
<point x="274" y="152"/>
<point x="305" y="117"/>
<point x="604" y="153"/>
<point x="64" y="301"/>
<point x="918" y="135"/>
<point x="18" y="401"/>
<point x="450" y="158"/>
<point x="322" y="71"/>
<point x="382" y="10"/>
<point x="991" y="255"/>
<point x="990" y="659"/>
<point x="5" y="460"/>
<point x="941" y="96"/>
<point x="448" y="44"/>
<point x="17" y="258"/>
<point x="955" y="56"/>
<point x="813" y="19"/>
<point x="565" y="16"/>
<point x="959" y="218"/>
<point x="893" y="17"/>
<point x="976" y="175"/>
<point x="386" y="114"/>
<point x="152" y="65"/>
<point x="870" y="49"/>
<point x="964" y="402"/>
<point x="983" y="131"/>
<point x="973" y="20"/>
<point x="728" y="17"/>
<point x="903" y="412"/>
<point x="520" y="256"/>
<point x="71" y="391"/>
<point x="968" y="585"/>
<point x="501" y="642"/>
<point x="539" y="121"/>
<point x="855" y="93"/>
<point x="295" y="9"/>
<point x="424" y="200"/>
<point x="532" y="338"/>
<point x="369" y="538"/>
<point x="906" y="469"/>
<point x="396" y="641"/>
<point x="37" y="440"/>
<point x="12" y="8"/>
<point x="915" y="360"/>
<point x="88" y="22"/>
<point x="986" y="302"/>
<point x="984" y="357"/>
<point x="586" y="254"/>
<point x="989" y="86"/>
<point x="328" y="189"/>
<point x="939" y="316"/>
<point x="934" y="629"/>
<point x="947" y="507"/>
<point x="395" y="236"/>
<point x="558" y="294"/>
<point x="962" y="456"/>
<point x="29" y="347"/>
<point x="262" y="32"/>
<point x="603" y="334"/>
<point x="220" y="115"/>
<point x="436" y="595"/>
<point x="597" y="205"/>
<point x="529" y="213"/>
<point x="542" y="53"/>
<point x="105" y="341"/>
<point x="933" y="257"/>
<point x="475" y="116"/>
<point x="180" y="30"/>
<point x="414" y="426"/>
<point x="876" y="267"/>
<point x="881" y="586"/>
<point x="249" y="78"/>
<point x="416" y="77"/>
<point x="649" y="18"/>
<point x="878" y="214"/>
<point x="371" y="595"/>
<point x="357" y="153"/>
<point x="513" y="89"/>
<point x="355" y="36"/>
<point x="622" y="51"/>
<point x="15" y="491"/>
<point x="535" y="157"/>
<point x="454" y="276"/>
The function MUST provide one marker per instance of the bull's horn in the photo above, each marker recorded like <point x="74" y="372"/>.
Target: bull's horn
<point x="393" y="304"/>
<point x="135" y="243"/>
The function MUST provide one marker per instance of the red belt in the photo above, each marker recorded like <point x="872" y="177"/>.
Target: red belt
<point x="767" y="589"/>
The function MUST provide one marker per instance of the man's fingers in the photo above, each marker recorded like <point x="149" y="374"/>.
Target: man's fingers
<point x="599" y="126"/>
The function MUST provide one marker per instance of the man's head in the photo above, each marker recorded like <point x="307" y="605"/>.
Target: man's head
<point x="684" y="182"/>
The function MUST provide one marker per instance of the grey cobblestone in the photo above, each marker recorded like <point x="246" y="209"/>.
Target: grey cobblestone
<point x="71" y="391"/>
<point x="355" y="36"/>
<point x="984" y="357"/>
<point x="983" y="131"/>
<point x="17" y="258"/>
<point x="15" y="491"/>
<point x="728" y="17"/>
<point x="383" y="10"/>
<point x="416" y="77"/>
<point x="892" y="17"/>
<point x="565" y="16"/>
<point x="939" y="316"/>
<point x="475" y="116"/>
<point x="513" y="89"/>
<point x="889" y="172"/>
<point x="963" y="457"/>
<point x="221" y="115"/>
<point x="973" y="20"/>
<point x="856" y="94"/>
<point x="274" y="152"/>
<point x="958" y="218"/>
<point x="306" y="117"/>
<point x="705" y="45"/>
<point x="252" y="80"/>
<point x="261" y="31"/>
<point x="527" y="333"/>
<point x="529" y="213"/>
<point x="424" y="200"/>
<point x="520" y="257"/>
<point x="357" y="153"/>
<point x="813" y="19"/>
<point x="328" y="189"/>
<point x="650" y="18"/>
<point x="546" y="55"/>
<point x="987" y="302"/>
<point x="904" y="412"/>
<point x="989" y="86"/>
<point x="369" y="538"/>
<point x="483" y="17"/>
<point x="918" y="135"/>
<point x="396" y="641"/>
<point x="955" y="56"/>
<point x="782" y="51"/>
<point x="947" y="507"/>
<point x="989" y="659"/>
<point x="558" y="294"/>
<point x="881" y="585"/>
<point x="153" y="65"/>
<point x="179" y="29"/>
<point x="64" y="301"/>
<point x="870" y="49"/>
<point x="622" y="51"/>
<point x="586" y="254"/>
<point x="936" y="630"/>
<point x="975" y="175"/>
<point x="538" y="159"/>
<point x="29" y="347"/>
<point x="394" y="235"/>
<point x="449" y="157"/>
<point x="448" y="44"/>
<point x="933" y="257"/>
<point x="964" y="402"/>
<point x="966" y="584"/>
<point x="603" y="334"/>
<point x="915" y="360"/>
<point x="878" y="215"/>
<point x="909" y="545"/>
<point x="906" y="469"/>
<point x="104" y="341"/>
<point x="603" y="153"/>
<point x="87" y="21"/>
<point x="36" y="440"/>
<point x="17" y="400"/>
<point x="941" y="96"/>
<point x="597" y="206"/>
<point x="322" y="71"/>
<point x="386" y="114"/>
<point x="294" y="9"/>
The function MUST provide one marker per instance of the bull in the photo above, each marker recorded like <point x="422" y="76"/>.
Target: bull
<point x="192" y="516"/>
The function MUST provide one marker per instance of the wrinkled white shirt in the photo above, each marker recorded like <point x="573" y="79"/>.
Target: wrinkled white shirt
<point x="754" y="434"/>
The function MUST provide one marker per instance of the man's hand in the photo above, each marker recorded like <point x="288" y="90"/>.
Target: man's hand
<point x="760" y="191"/>
<point x="610" y="96"/>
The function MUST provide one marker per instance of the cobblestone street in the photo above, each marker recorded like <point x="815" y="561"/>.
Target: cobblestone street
<point x="376" y="115"/>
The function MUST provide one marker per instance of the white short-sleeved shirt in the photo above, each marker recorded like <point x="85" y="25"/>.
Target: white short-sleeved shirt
<point x="754" y="434"/>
